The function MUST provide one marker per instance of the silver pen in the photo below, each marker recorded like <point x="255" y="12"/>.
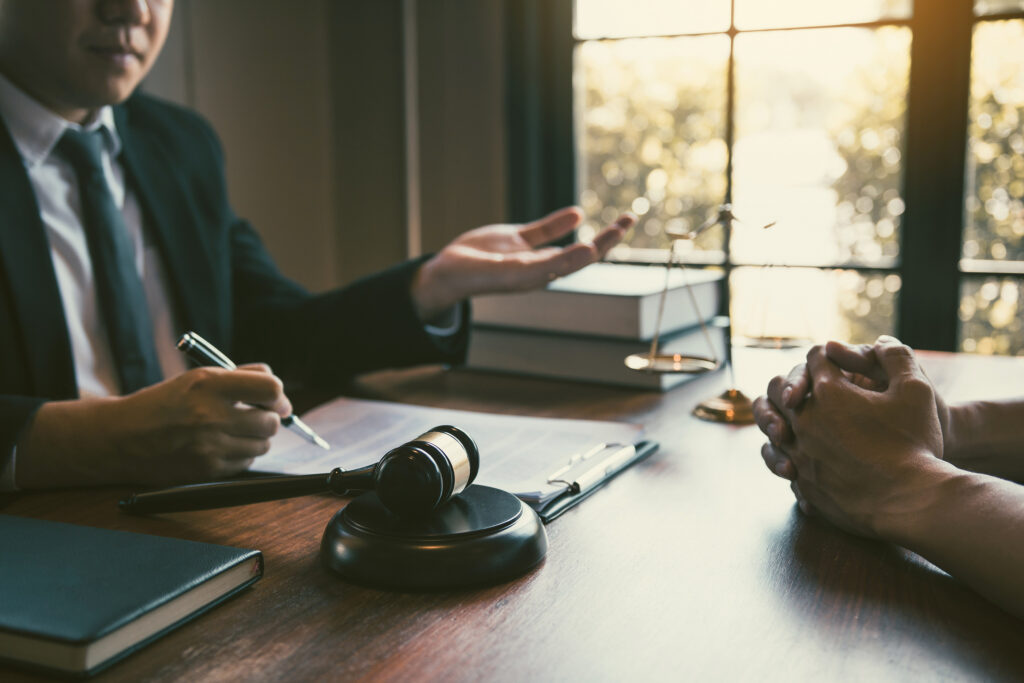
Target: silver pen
<point x="205" y="353"/>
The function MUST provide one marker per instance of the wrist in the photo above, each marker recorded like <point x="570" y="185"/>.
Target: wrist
<point x="431" y="295"/>
<point x="68" y="443"/>
<point x="920" y="494"/>
<point x="959" y="426"/>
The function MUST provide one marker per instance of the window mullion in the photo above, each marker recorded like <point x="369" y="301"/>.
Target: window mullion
<point x="935" y="157"/>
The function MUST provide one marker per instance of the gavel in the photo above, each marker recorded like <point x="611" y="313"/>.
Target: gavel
<point x="412" y="479"/>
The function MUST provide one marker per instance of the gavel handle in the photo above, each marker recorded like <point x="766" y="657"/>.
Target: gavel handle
<point x="241" y="492"/>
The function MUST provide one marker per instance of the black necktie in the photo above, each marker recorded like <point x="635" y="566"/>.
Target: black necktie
<point x="122" y="299"/>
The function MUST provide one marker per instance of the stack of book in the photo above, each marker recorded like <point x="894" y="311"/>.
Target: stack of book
<point x="583" y="326"/>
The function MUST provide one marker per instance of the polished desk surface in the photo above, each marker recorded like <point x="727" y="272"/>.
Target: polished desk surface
<point x="693" y="565"/>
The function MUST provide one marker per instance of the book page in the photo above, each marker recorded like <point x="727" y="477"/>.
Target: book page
<point x="517" y="454"/>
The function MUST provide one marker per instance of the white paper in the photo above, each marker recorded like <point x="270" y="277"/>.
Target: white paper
<point x="517" y="454"/>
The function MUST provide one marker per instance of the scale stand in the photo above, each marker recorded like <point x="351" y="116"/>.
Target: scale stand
<point x="655" y="361"/>
<point x="732" y="406"/>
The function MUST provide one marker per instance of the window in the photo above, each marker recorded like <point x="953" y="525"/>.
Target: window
<point x="993" y="242"/>
<point x="887" y="152"/>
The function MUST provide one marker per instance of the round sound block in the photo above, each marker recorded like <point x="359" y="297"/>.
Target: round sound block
<point x="481" y="536"/>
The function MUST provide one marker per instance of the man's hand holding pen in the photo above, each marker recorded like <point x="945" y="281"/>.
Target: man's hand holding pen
<point x="199" y="425"/>
<point x="215" y="422"/>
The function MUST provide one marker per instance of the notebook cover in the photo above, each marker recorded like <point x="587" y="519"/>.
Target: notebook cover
<point x="75" y="584"/>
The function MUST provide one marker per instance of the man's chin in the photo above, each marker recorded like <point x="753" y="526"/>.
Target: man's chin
<point x="108" y="94"/>
<point x="83" y="104"/>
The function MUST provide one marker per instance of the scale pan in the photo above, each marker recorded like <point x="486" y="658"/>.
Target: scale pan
<point x="766" y="342"/>
<point x="669" y="363"/>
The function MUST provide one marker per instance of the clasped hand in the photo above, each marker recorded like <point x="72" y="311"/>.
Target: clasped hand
<point x="858" y="430"/>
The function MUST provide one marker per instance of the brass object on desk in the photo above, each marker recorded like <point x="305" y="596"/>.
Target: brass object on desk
<point x="670" y="362"/>
<point x="779" y="342"/>
<point x="655" y="361"/>
<point x="732" y="406"/>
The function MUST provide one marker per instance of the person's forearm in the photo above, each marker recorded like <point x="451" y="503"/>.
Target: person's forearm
<point x="69" y="443"/>
<point x="988" y="437"/>
<point x="972" y="529"/>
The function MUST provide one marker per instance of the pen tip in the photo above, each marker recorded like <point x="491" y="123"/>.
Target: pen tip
<point x="321" y="443"/>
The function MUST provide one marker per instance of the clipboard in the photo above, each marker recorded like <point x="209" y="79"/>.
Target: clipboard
<point x="587" y="472"/>
<point x="525" y="455"/>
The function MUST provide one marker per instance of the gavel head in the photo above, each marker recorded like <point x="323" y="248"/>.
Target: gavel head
<point x="423" y="474"/>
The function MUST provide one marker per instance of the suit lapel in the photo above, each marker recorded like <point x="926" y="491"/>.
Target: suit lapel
<point x="175" y="224"/>
<point x="25" y="255"/>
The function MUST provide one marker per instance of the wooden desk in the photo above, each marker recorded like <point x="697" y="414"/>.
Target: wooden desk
<point x="694" y="565"/>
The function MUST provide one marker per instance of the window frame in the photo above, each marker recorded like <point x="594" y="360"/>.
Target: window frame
<point x="542" y="151"/>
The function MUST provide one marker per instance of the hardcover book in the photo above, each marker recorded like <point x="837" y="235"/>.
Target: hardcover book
<point x="588" y="358"/>
<point x="76" y="599"/>
<point x="608" y="300"/>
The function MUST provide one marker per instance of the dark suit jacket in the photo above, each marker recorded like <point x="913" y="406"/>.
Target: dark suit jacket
<point x="224" y="284"/>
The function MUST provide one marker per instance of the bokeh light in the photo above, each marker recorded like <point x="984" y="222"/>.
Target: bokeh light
<point x="820" y="117"/>
<point x="990" y="315"/>
<point x="651" y="135"/>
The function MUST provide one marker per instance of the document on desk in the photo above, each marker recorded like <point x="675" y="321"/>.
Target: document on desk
<point x="549" y="463"/>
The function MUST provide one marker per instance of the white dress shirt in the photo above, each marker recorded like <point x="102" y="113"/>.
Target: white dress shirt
<point x="36" y="131"/>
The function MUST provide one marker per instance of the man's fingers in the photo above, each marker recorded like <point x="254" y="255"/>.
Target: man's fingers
<point x="247" y="386"/>
<point x="795" y="387"/>
<point x="243" y="448"/>
<point x="801" y="501"/>
<point x="859" y="359"/>
<point x="897" y="359"/>
<point x="770" y="421"/>
<point x="613" y="234"/>
<point x="262" y="390"/>
<point x="788" y="392"/>
<point x="564" y="221"/>
<point x="778" y="462"/>
<point x="545" y="265"/>
<point x="537" y="268"/>
<point x="247" y="422"/>
<point x="257" y="367"/>
<point x="821" y="370"/>
<point x="279" y="403"/>
<point x="552" y="226"/>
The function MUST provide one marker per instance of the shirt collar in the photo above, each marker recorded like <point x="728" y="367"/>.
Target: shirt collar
<point x="36" y="130"/>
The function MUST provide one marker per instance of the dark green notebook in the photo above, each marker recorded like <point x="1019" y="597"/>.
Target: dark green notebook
<point x="75" y="599"/>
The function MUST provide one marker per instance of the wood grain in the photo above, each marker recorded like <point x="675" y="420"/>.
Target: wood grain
<point x="693" y="565"/>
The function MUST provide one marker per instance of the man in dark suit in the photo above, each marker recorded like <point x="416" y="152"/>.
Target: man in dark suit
<point x="116" y="235"/>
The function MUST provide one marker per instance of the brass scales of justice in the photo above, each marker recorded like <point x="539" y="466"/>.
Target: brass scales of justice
<point x="731" y="406"/>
